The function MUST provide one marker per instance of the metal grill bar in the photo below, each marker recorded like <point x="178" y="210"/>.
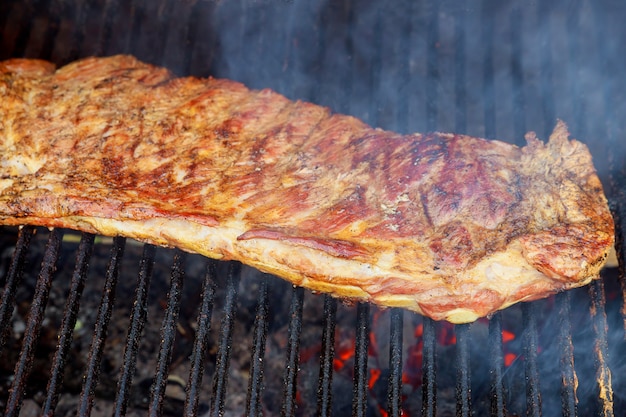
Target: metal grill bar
<point x="163" y="14"/>
<point x="5" y="12"/>
<point x="222" y="363"/>
<point x="33" y="324"/>
<point x="102" y="322"/>
<point x="324" y="389"/>
<point x="432" y="68"/>
<point x="601" y="348"/>
<point x="13" y="278"/>
<point x="460" y="90"/>
<point x="255" y="385"/>
<point x="488" y="71"/>
<point x="463" y="385"/>
<point x="77" y="284"/>
<point x="191" y="29"/>
<point x="359" y="390"/>
<point x="137" y="321"/>
<point x="168" y="334"/>
<point x="394" y="390"/>
<point x="137" y="15"/>
<point x="573" y="46"/>
<point x="517" y="80"/>
<point x="19" y="46"/>
<point x="78" y="34"/>
<point x="548" y="108"/>
<point x="404" y="72"/>
<point x="50" y="35"/>
<point x="200" y="342"/>
<point x="566" y="349"/>
<point x="293" y="348"/>
<point x="201" y="59"/>
<point x="497" y="396"/>
<point x="109" y="13"/>
<point x="529" y="337"/>
<point x="429" y="385"/>
<point x="376" y="110"/>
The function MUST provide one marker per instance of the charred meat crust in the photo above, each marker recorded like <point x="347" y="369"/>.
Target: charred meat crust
<point x="433" y="222"/>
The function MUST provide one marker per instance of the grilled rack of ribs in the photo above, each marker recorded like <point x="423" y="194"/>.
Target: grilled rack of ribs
<point x="451" y="226"/>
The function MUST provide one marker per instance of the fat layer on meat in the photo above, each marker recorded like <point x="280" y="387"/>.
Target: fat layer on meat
<point x="451" y="226"/>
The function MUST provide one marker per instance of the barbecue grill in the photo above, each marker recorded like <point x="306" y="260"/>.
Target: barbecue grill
<point x="93" y="325"/>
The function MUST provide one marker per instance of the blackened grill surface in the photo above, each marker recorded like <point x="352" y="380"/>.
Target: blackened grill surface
<point x="486" y="68"/>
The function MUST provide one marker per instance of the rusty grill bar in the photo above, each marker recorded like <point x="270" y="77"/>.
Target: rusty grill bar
<point x="415" y="58"/>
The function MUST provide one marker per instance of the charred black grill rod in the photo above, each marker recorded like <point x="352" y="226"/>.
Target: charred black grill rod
<point x="168" y="334"/>
<point x="33" y="324"/>
<point x="78" y="31"/>
<point x="601" y="349"/>
<point x="77" y="284"/>
<point x="111" y="10"/>
<point x="222" y="363"/>
<point x="102" y="322"/>
<point x="394" y="390"/>
<point x="517" y="77"/>
<point x="566" y="350"/>
<point x="432" y="68"/>
<point x="359" y="390"/>
<point x="293" y="349"/>
<point x="530" y="343"/>
<point x="463" y="384"/>
<point x="255" y="382"/>
<point x="324" y="390"/>
<point x="498" y="401"/>
<point x="548" y="105"/>
<point x="429" y="386"/>
<point x="200" y="342"/>
<point x="488" y="69"/>
<point x="138" y="318"/>
<point x="13" y="278"/>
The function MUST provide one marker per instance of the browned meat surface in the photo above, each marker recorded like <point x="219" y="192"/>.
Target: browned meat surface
<point x="454" y="227"/>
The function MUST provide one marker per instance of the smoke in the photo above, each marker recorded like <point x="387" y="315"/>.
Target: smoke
<point x="486" y="68"/>
<point x="492" y="69"/>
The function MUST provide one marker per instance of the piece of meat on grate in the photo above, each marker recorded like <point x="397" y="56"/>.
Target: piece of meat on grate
<point x="454" y="227"/>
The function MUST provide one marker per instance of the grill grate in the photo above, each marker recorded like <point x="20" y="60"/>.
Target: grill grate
<point x="254" y="402"/>
<point x="225" y="341"/>
<point x="137" y="322"/>
<point x="33" y="326"/>
<point x="498" y="406"/>
<point x="293" y="349"/>
<point x="568" y="373"/>
<point x="199" y="347"/>
<point x="168" y="333"/>
<point x="488" y="68"/>
<point x="69" y="321"/>
<point x="100" y="331"/>
<point x="324" y="391"/>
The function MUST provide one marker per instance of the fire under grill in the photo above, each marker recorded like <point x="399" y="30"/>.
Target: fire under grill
<point x="92" y="325"/>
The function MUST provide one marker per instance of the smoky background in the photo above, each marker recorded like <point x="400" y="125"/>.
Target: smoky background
<point x="494" y="69"/>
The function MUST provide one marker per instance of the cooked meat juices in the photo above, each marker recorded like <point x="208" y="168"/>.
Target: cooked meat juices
<point x="451" y="226"/>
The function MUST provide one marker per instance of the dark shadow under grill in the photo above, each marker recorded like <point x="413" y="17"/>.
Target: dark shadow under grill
<point x="222" y="339"/>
